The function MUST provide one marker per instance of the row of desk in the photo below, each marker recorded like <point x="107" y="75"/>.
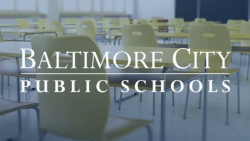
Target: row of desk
<point x="12" y="49"/>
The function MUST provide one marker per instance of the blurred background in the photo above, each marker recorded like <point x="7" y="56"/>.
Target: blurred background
<point x="213" y="10"/>
<point x="61" y="9"/>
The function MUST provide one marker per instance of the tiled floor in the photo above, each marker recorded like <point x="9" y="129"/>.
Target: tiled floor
<point x="178" y="129"/>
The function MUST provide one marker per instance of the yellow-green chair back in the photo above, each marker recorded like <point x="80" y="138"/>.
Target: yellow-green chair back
<point x="245" y="29"/>
<point x="86" y="28"/>
<point x="42" y="23"/>
<point x="57" y="26"/>
<point x="138" y="35"/>
<point x="80" y="115"/>
<point x="71" y="21"/>
<point x="214" y="38"/>
<point x="23" y="23"/>
<point x="200" y="20"/>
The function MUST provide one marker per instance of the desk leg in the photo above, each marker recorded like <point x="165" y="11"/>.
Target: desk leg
<point x="204" y="120"/>
<point x="18" y="89"/>
<point x="248" y="66"/>
<point x="163" y="109"/>
<point x="24" y="36"/>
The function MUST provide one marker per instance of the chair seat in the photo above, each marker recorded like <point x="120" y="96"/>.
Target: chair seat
<point x="12" y="68"/>
<point x="235" y="42"/>
<point x="230" y="71"/>
<point x="115" y="80"/>
<point x="118" y="126"/>
<point x="7" y="106"/>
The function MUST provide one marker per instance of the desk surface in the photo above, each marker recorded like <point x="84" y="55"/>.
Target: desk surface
<point x="12" y="49"/>
<point x="28" y="31"/>
<point x="186" y="35"/>
<point x="97" y="27"/>
<point x="9" y="25"/>
<point x="229" y="28"/>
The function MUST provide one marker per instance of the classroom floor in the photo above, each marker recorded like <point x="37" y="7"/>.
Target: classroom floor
<point x="178" y="129"/>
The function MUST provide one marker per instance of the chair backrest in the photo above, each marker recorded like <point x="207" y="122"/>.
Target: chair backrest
<point x="124" y="21"/>
<point x="180" y="19"/>
<point x="106" y="19"/>
<point x="234" y="23"/>
<point x="154" y="23"/>
<point x="111" y="22"/>
<point x="23" y="23"/>
<point x="200" y="20"/>
<point x="140" y="21"/>
<point x="71" y="21"/>
<point x="213" y="38"/>
<point x="245" y="29"/>
<point x="138" y="35"/>
<point x="177" y="23"/>
<point x="80" y="115"/>
<point x="57" y="26"/>
<point x="92" y="20"/>
<point x="86" y="28"/>
<point x="42" y="23"/>
<point x="202" y="23"/>
<point x="1" y="37"/>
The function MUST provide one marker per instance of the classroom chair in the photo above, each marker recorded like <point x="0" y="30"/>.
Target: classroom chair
<point x="82" y="116"/>
<point x="245" y="29"/>
<point x="217" y="38"/>
<point x="42" y="23"/>
<point x="200" y="20"/>
<point x="234" y="24"/>
<point x="124" y="21"/>
<point x="57" y="26"/>
<point x="202" y="23"/>
<point x="141" y="21"/>
<point x="71" y="21"/>
<point x="23" y="24"/>
<point x="143" y="36"/>
<point x="86" y="28"/>
<point x="7" y="106"/>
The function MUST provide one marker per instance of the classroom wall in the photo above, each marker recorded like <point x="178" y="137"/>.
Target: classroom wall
<point x="213" y="10"/>
<point x="146" y="9"/>
<point x="186" y="9"/>
<point x="224" y="10"/>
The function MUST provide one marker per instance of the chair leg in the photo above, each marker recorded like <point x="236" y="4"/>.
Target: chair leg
<point x="240" y="60"/>
<point x="120" y="101"/>
<point x="186" y="104"/>
<point x="200" y="94"/>
<point x="2" y="85"/>
<point x="150" y="134"/>
<point x="227" y="107"/>
<point x="153" y="103"/>
<point x="117" y="101"/>
<point x="8" y="80"/>
<point x="248" y="66"/>
<point x="173" y="101"/>
<point x="42" y="136"/>
<point x="140" y="97"/>
<point x="238" y="89"/>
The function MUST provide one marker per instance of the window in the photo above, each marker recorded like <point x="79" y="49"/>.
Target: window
<point x="97" y="5"/>
<point x="7" y="5"/>
<point x="26" y="5"/>
<point x="70" y="5"/>
<point x="85" y="5"/>
<point x="107" y="5"/>
<point x="119" y="6"/>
